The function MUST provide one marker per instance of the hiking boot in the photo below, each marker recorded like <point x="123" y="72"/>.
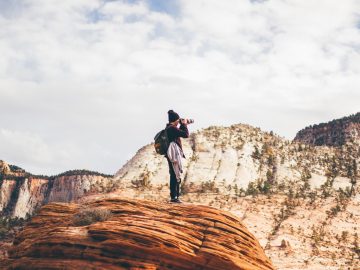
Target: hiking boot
<point x="176" y="200"/>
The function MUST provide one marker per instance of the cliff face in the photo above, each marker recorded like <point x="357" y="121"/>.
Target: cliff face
<point x="73" y="187"/>
<point x="334" y="133"/>
<point x="137" y="235"/>
<point x="28" y="195"/>
<point x="21" y="193"/>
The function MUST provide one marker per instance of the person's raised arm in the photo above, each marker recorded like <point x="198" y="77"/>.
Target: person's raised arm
<point x="183" y="131"/>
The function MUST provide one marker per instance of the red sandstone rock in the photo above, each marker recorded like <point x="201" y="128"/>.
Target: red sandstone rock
<point x="138" y="235"/>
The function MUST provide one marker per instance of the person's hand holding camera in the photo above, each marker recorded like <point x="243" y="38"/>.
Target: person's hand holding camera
<point x="185" y="121"/>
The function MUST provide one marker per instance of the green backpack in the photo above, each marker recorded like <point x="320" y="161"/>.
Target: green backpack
<point x="161" y="142"/>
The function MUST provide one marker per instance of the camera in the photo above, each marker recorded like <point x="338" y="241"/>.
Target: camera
<point x="187" y="121"/>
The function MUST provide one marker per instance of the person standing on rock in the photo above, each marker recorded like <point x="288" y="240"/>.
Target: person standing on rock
<point x="174" y="133"/>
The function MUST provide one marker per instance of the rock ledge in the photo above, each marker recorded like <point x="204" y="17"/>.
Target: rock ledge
<point x="138" y="235"/>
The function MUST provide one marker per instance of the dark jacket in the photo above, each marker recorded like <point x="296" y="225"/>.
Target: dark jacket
<point x="175" y="133"/>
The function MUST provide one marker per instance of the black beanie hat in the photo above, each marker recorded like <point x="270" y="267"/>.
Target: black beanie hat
<point x="173" y="116"/>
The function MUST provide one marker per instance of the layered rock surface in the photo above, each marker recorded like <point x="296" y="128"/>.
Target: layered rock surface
<point x="138" y="235"/>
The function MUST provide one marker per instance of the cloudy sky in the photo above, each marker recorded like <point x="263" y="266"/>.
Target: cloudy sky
<point x="84" y="84"/>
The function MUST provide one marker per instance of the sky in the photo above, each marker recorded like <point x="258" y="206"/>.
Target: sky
<point x="84" y="84"/>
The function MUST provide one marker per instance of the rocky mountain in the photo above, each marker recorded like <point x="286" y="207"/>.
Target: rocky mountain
<point x="334" y="133"/>
<point x="22" y="193"/>
<point x="246" y="160"/>
<point x="133" y="234"/>
<point x="301" y="200"/>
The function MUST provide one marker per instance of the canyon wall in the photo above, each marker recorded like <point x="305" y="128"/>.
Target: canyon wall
<point x="21" y="193"/>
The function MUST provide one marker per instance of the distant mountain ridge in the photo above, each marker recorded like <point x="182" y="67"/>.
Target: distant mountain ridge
<point x="334" y="133"/>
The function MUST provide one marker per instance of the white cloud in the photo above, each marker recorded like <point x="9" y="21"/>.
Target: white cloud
<point x="87" y="83"/>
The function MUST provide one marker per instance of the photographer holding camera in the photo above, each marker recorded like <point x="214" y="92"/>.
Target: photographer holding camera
<point x="174" y="134"/>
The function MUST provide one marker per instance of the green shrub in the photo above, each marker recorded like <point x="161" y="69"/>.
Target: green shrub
<point x="8" y="224"/>
<point x="208" y="186"/>
<point x="3" y="232"/>
<point x="252" y="189"/>
<point x="143" y="181"/>
<point x="88" y="216"/>
<point x="256" y="154"/>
